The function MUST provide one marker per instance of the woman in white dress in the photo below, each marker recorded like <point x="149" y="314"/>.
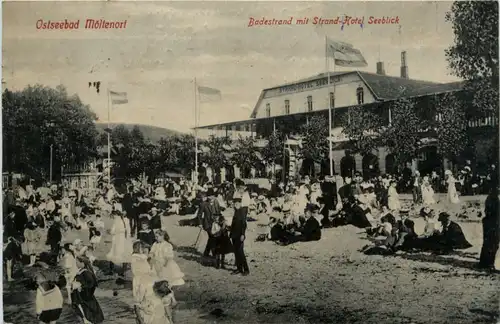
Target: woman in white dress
<point x="162" y="258"/>
<point x="121" y="244"/>
<point x="143" y="279"/>
<point x="452" y="189"/>
<point x="427" y="192"/>
<point x="393" y="201"/>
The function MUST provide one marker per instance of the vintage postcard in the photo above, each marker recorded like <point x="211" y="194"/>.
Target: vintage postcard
<point x="251" y="162"/>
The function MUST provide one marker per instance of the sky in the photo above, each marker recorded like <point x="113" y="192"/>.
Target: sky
<point x="165" y="45"/>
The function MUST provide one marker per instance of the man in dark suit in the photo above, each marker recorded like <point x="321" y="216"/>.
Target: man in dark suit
<point x="128" y="208"/>
<point x="206" y="217"/>
<point x="329" y="190"/>
<point x="310" y="231"/>
<point x="238" y="228"/>
<point x="346" y="192"/>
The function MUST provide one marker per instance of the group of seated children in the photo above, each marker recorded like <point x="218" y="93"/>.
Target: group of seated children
<point x="393" y="235"/>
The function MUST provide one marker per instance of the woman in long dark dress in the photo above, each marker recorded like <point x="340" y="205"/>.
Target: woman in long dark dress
<point x="82" y="295"/>
<point x="491" y="230"/>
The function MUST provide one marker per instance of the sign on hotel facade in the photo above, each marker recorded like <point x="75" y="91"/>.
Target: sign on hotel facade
<point x="312" y="95"/>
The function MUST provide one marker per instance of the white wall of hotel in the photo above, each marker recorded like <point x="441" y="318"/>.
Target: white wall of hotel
<point x="294" y="98"/>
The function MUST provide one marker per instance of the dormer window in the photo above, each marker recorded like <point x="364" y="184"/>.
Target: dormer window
<point x="360" y="94"/>
<point x="268" y="110"/>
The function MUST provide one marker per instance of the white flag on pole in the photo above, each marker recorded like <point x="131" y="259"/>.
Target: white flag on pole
<point x="118" y="98"/>
<point x="207" y="94"/>
<point x="345" y="54"/>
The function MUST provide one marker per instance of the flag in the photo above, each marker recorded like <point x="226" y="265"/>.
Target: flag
<point x="118" y="98"/>
<point x="208" y="94"/>
<point x="345" y="54"/>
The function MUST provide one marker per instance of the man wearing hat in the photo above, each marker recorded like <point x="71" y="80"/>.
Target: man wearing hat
<point x="242" y="192"/>
<point x="238" y="229"/>
<point x="451" y="237"/>
<point x="329" y="189"/>
<point x="206" y="217"/>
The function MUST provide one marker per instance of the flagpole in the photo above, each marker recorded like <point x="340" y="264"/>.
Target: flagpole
<point x="329" y="106"/>
<point x="195" y="134"/>
<point x="109" y="137"/>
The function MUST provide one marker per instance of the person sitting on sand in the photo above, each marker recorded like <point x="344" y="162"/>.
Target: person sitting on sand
<point x="310" y="231"/>
<point x="431" y="226"/>
<point x="450" y="238"/>
<point x="357" y="216"/>
<point x="49" y="300"/>
<point x="407" y="238"/>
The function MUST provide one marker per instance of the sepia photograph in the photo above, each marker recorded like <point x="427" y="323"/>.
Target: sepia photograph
<point x="273" y="162"/>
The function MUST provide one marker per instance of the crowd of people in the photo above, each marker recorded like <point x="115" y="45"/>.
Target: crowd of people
<point x="285" y="213"/>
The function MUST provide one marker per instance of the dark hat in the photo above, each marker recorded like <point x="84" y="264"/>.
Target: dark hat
<point x="311" y="207"/>
<point x="237" y="200"/>
<point x="239" y="182"/>
<point x="409" y="223"/>
<point x="210" y="192"/>
<point x="443" y="217"/>
<point x="423" y="212"/>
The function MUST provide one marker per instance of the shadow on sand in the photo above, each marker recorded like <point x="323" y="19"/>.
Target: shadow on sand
<point x="447" y="260"/>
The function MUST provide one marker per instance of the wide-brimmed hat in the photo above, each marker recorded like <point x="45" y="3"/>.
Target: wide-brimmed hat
<point x="443" y="216"/>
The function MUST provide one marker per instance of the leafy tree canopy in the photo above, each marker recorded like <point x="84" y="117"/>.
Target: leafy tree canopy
<point x="314" y="139"/>
<point x="474" y="54"/>
<point x="363" y="127"/>
<point x="38" y="117"/>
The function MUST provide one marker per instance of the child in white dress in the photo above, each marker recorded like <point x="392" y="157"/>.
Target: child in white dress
<point x="70" y="267"/>
<point x="427" y="192"/>
<point x="143" y="280"/>
<point x="393" y="201"/>
<point x="162" y="259"/>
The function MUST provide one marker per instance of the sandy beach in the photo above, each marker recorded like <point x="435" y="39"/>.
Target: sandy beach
<point x="316" y="282"/>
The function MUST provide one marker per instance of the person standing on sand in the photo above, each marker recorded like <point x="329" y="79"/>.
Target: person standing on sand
<point x="238" y="228"/>
<point x="206" y="217"/>
<point x="491" y="230"/>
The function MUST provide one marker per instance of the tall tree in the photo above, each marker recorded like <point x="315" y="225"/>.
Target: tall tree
<point x="272" y="153"/>
<point x="314" y="139"/>
<point x="215" y="157"/>
<point x="167" y="154"/>
<point x="245" y="155"/>
<point x="363" y="128"/>
<point x="403" y="135"/>
<point x="450" y="125"/>
<point x="474" y="54"/>
<point x="38" y="117"/>
<point x="185" y="153"/>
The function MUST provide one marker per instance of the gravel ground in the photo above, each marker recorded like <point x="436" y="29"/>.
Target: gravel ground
<point x="316" y="282"/>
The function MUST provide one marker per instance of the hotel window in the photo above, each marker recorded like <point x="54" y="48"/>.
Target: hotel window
<point x="360" y="95"/>
<point x="309" y="103"/>
<point x="332" y="100"/>
<point x="287" y="107"/>
<point x="268" y="110"/>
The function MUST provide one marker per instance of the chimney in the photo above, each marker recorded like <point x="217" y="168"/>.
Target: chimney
<point x="380" y="68"/>
<point x="404" y="67"/>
